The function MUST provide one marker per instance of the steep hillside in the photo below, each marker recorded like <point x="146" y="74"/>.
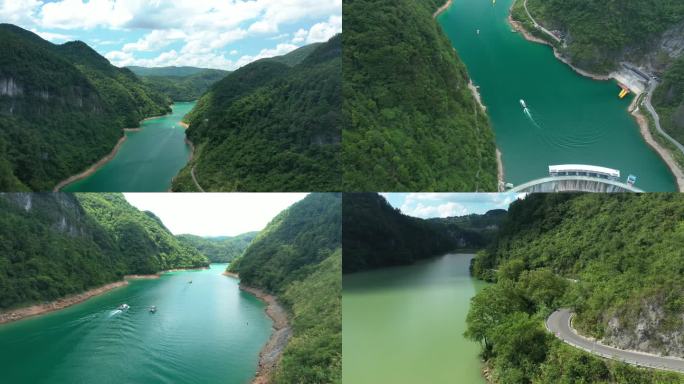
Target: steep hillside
<point x="179" y="83"/>
<point x="668" y="100"/>
<point x="141" y="236"/>
<point x="377" y="235"/>
<point x="599" y="34"/>
<point x="220" y="249"/>
<point x="623" y="254"/>
<point x="297" y="56"/>
<point x="52" y="245"/>
<point x="268" y="127"/>
<point x="298" y="257"/>
<point x="62" y="108"/>
<point x="411" y="123"/>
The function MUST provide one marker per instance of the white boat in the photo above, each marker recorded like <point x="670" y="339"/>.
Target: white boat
<point x="522" y="103"/>
<point x="123" y="307"/>
<point x="153" y="309"/>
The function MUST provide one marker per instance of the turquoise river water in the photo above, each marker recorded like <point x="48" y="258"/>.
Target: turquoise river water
<point x="572" y="120"/>
<point x="205" y="332"/>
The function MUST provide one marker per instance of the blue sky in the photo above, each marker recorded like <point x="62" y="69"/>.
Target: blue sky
<point x="224" y="34"/>
<point x="428" y="205"/>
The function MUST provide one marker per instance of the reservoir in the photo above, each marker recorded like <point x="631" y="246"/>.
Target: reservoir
<point x="148" y="160"/>
<point x="405" y="325"/>
<point x="205" y="332"/>
<point x="572" y="119"/>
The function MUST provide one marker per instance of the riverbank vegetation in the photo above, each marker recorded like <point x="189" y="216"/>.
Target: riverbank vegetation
<point x="599" y="34"/>
<point x="377" y="235"/>
<point x="411" y="123"/>
<point x="298" y="258"/>
<point x="53" y="245"/>
<point x="179" y="83"/>
<point x="62" y="108"/>
<point x="221" y="249"/>
<point x="668" y="100"/>
<point x="270" y="126"/>
<point x="611" y="258"/>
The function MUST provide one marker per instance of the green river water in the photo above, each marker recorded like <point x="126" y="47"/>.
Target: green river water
<point x="147" y="161"/>
<point x="205" y="332"/>
<point x="405" y="325"/>
<point x="573" y="119"/>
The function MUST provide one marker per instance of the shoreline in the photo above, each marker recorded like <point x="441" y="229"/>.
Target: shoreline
<point x="442" y="9"/>
<point x="101" y="163"/>
<point x="272" y="351"/>
<point x="184" y="124"/>
<point x="13" y="315"/>
<point x="633" y="109"/>
<point x="500" y="171"/>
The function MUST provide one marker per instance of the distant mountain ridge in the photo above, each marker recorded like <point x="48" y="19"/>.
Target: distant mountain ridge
<point x="270" y="127"/>
<point x="62" y="108"/>
<point x="220" y="249"/>
<point x="377" y="235"/>
<point x="180" y="83"/>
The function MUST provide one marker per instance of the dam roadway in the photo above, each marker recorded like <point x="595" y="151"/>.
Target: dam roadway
<point x="559" y="324"/>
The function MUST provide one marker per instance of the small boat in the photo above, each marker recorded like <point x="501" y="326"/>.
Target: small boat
<point x="478" y="31"/>
<point x="522" y="103"/>
<point x="190" y="282"/>
<point x="153" y="309"/>
<point x="123" y="307"/>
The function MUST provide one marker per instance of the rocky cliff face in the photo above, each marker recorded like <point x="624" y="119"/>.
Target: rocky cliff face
<point x="666" y="49"/>
<point x="61" y="210"/>
<point x="651" y="329"/>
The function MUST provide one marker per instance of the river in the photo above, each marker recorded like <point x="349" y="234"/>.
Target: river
<point x="205" y="332"/>
<point x="572" y="119"/>
<point x="147" y="161"/>
<point x="405" y="325"/>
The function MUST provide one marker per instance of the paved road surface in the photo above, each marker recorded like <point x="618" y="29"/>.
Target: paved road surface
<point x="647" y="103"/>
<point x="559" y="324"/>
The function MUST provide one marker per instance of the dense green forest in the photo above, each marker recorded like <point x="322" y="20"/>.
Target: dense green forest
<point x="62" y="108"/>
<point x="179" y="83"/>
<point x="141" y="236"/>
<point x="599" y="33"/>
<point x="668" y="100"/>
<point x="220" y="249"/>
<point x="616" y="260"/>
<point x="298" y="257"/>
<point x="377" y="235"/>
<point x="411" y="123"/>
<point x="270" y="127"/>
<point x="52" y="245"/>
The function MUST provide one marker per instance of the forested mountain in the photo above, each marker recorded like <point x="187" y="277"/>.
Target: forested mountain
<point x="179" y="83"/>
<point x="617" y="260"/>
<point x="62" y="108"/>
<point x="220" y="249"/>
<point x="269" y="126"/>
<point x="52" y="245"/>
<point x="298" y="257"/>
<point x="601" y="33"/>
<point x="411" y="123"/>
<point x="377" y="235"/>
<point x="298" y="55"/>
<point x="668" y="100"/>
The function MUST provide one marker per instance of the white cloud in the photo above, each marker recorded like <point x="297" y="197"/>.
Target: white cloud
<point x="234" y="52"/>
<point x="442" y="210"/>
<point x="20" y="12"/>
<point x="53" y="37"/>
<point x="279" y="50"/>
<point x="319" y="32"/>
<point x="155" y="40"/>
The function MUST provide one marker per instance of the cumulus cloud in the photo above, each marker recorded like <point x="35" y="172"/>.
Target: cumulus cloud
<point x="189" y="32"/>
<point x="319" y="32"/>
<point x="427" y="205"/>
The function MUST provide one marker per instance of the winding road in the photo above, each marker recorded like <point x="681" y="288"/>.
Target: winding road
<point x="559" y="324"/>
<point x="647" y="103"/>
<point x="539" y="26"/>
